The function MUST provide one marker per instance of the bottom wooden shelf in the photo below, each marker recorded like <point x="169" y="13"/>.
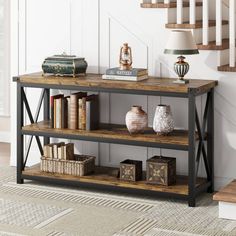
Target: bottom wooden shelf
<point x="108" y="176"/>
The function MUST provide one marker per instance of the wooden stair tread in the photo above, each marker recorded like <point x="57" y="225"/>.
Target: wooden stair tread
<point x="187" y="25"/>
<point x="226" y="68"/>
<point x="167" y="5"/>
<point x="227" y="194"/>
<point x="212" y="45"/>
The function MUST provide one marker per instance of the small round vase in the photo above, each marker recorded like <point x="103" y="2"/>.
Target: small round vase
<point x="163" y="122"/>
<point x="136" y="120"/>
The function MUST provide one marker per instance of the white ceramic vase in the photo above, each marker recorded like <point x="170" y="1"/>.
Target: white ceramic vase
<point x="163" y="122"/>
<point x="136" y="120"/>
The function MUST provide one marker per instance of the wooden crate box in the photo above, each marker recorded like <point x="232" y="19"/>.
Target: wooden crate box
<point x="131" y="170"/>
<point x="161" y="170"/>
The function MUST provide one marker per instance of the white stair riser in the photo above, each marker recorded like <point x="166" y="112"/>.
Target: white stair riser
<point x="223" y="57"/>
<point x="227" y="210"/>
<point x="172" y="14"/>
<point x="212" y="33"/>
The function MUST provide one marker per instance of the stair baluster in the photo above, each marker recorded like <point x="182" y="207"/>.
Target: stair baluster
<point x="232" y="33"/>
<point x="219" y="22"/>
<point x="205" y="23"/>
<point x="192" y="12"/>
<point x="179" y="12"/>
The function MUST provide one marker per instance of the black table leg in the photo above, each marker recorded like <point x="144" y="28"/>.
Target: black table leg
<point x="191" y="151"/>
<point x="20" y="138"/>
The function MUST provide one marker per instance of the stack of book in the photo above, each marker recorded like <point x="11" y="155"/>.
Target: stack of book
<point x="135" y="74"/>
<point x="77" y="111"/>
<point x="60" y="158"/>
<point x="59" y="151"/>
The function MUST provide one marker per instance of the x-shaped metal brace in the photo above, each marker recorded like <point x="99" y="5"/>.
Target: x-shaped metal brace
<point x="33" y="120"/>
<point x="202" y="138"/>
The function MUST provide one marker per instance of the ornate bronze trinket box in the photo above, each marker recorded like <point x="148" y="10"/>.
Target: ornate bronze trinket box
<point x="64" y="65"/>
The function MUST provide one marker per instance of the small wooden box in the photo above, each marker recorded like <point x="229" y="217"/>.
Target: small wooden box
<point x="161" y="170"/>
<point x="131" y="170"/>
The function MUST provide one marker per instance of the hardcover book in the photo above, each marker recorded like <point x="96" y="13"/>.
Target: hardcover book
<point x="133" y="72"/>
<point x="52" y="98"/>
<point x="64" y="113"/>
<point x="125" y="77"/>
<point x="92" y="114"/>
<point x="58" y="113"/>
<point x="73" y="121"/>
<point x="69" y="151"/>
<point x="82" y="113"/>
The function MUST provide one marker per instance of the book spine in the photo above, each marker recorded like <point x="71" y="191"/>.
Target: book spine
<point x="55" y="114"/>
<point x="69" y="151"/>
<point x="50" y="151"/>
<point x="94" y="113"/>
<point x="45" y="150"/>
<point x="52" y="111"/>
<point x="58" y="118"/>
<point x="88" y="115"/>
<point x="73" y="112"/>
<point x="55" y="152"/>
<point x="80" y="113"/>
<point x="59" y="152"/>
<point x="117" y="71"/>
<point x="68" y="112"/>
<point x="132" y="72"/>
<point x="124" y="78"/>
<point x="83" y="114"/>
<point x="64" y="113"/>
<point x="41" y="165"/>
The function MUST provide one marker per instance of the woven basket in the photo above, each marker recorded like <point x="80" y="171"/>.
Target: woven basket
<point x="82" y="165"/>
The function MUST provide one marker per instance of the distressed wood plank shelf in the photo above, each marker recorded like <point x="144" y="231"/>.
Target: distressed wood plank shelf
<point x="112" y="133"/>
<point x="108" y="176"/>
<point x="94" y="82"/>
<point x="187" y="188"/>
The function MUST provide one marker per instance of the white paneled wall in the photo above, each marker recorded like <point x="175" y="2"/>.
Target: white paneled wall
<point x="96" y="29"/>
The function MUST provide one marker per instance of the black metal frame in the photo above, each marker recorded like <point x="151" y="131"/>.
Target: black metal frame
<point x="193" y="123"/>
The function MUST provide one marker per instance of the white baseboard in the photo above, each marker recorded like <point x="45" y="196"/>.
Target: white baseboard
<point x="227" y="210"/>
<point x="221" y="182"/>
<point x="5" y="137"/>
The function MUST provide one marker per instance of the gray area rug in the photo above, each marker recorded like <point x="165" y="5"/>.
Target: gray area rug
<point x="36" y="209"/>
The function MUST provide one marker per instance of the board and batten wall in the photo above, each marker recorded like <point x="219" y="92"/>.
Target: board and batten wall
<point x="95" y="29"/>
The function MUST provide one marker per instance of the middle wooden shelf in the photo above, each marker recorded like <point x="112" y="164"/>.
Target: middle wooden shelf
<point x="113" y="133"/>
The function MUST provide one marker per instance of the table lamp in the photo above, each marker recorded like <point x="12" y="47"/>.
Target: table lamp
<point x="181" y="43"/>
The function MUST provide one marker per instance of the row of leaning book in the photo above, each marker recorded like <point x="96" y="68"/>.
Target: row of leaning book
<point x="77" y="111"/>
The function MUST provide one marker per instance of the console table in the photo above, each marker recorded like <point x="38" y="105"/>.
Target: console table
<point x="186" y="188"/>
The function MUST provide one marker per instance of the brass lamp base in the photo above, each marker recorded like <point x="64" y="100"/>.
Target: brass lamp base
<point x="181" y="69"/>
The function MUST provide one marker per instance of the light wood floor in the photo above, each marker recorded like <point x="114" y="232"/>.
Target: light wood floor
<point x="5" y="154"/>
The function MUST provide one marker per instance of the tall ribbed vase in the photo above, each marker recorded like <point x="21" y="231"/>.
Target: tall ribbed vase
<point x="163" y="122"/>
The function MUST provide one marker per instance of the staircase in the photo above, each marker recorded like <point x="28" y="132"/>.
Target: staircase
<point x="227" y="201"/>
<point x="213" y="27"/>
